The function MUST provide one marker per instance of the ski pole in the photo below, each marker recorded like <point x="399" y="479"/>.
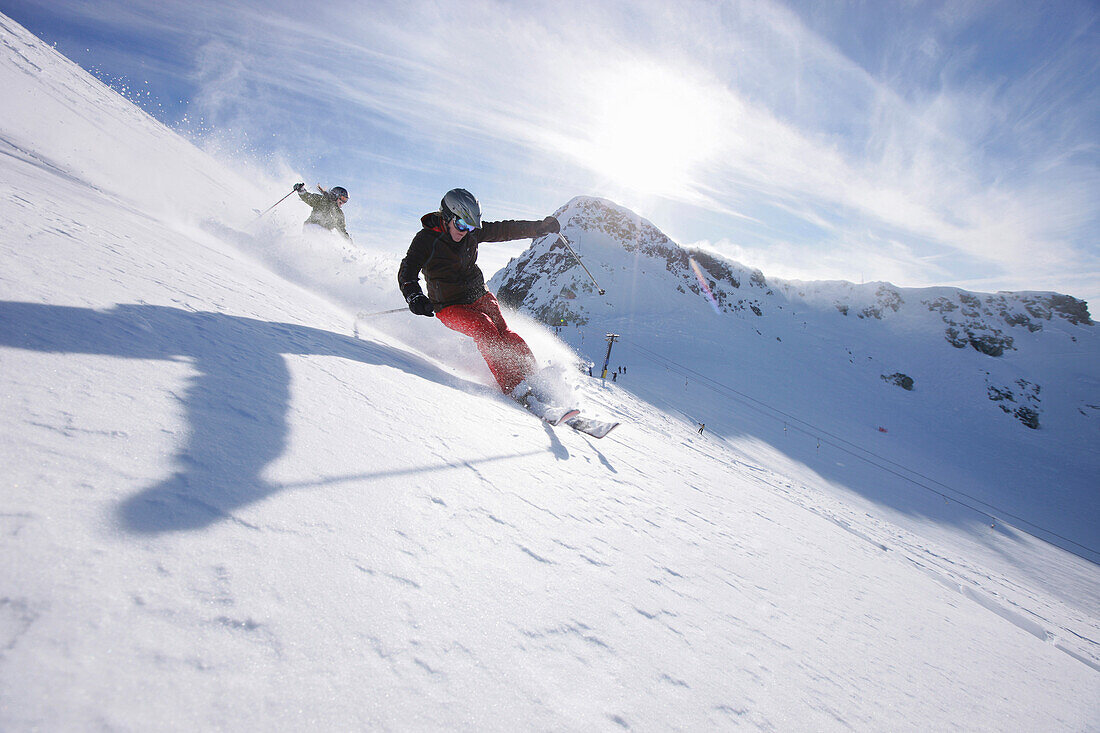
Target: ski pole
<point x="566" y="243"/>
<point x="269" y="208"/>
<point x="363" y="315"/>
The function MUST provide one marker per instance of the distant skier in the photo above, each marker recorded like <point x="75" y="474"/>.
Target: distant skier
<point x="702" y="427"/>
<point x="326" y="208"/>
<point x="445" y="251"/>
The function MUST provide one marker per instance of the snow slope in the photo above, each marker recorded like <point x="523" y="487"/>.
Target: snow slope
<point x="224" y="511"/>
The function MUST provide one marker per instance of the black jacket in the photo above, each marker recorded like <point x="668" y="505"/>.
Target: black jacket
<point x="449" y="267"/>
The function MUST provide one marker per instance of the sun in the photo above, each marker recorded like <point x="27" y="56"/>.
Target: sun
<point x="651" y="128"/>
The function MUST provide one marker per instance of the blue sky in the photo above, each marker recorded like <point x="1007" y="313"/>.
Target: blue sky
<point x="923" y="143"/>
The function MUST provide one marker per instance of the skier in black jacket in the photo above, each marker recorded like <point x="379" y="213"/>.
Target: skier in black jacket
<point x="445" y="252"/>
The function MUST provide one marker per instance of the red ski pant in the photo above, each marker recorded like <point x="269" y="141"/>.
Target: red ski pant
<point x="507" y="354"/>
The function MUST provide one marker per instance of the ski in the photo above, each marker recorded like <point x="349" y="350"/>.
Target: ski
<point x="550" y="414"/>
<point x="595" y="428"/>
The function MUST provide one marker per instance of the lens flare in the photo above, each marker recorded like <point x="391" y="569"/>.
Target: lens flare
<point x="703" y="282"/>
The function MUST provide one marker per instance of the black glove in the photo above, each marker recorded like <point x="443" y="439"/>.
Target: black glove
<point x="299" y="186"/>
<point x="550" y="225"/>
<point x="420" y="305"/>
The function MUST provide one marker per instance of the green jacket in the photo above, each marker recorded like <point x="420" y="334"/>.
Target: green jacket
<point x="326" y="212"/>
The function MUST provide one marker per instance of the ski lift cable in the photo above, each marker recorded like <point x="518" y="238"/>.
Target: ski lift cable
<point x="813" y="431"/>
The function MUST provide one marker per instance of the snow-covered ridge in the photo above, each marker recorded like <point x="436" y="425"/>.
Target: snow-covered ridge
<point x="605" y="227"/>
<point x="628" y="254"/>
<point x="544" y="280"/>
<point x="65" y="120"/>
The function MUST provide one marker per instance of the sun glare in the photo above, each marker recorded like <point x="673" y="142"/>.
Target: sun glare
<point x="651" y="128"/>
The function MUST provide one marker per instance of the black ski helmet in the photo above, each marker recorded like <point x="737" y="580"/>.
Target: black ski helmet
<point x="338" y="191"/>
<point x="458" y="203"/>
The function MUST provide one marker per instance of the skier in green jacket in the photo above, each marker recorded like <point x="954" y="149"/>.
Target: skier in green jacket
<point x="326" y="207"/>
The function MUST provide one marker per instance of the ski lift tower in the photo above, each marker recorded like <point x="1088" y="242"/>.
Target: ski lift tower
<point x="611" y="339"/>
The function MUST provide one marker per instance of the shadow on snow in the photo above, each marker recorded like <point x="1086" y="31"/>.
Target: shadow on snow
<point x="236" y="405"/>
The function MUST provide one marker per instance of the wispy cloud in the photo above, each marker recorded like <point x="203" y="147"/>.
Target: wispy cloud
<point x="941" y="141"/>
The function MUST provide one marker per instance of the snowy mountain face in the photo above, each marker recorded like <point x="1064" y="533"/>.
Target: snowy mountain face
<point x="633" y="256"/>
<point x="228" y="504"/>
<point x="546" y="280"/>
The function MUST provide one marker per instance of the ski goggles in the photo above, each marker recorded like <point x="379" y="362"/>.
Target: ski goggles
<point x="462" y="226"/>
